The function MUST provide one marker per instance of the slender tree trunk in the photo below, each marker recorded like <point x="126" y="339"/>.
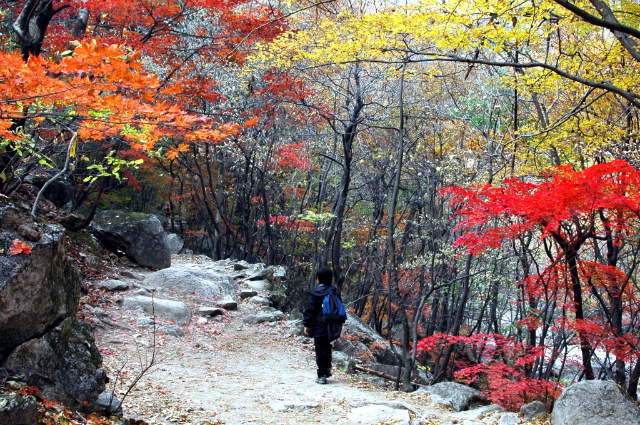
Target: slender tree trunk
<point x="576" y="287"/>
<point x="440" y="372"/>
<point x="340" y="203"/>
<point x="391" y="247"/>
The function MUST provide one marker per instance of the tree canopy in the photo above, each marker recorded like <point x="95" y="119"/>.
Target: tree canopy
<point x="468" y="169"/>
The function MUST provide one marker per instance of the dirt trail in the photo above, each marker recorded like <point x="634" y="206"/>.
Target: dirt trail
<point x="232" y="373"/>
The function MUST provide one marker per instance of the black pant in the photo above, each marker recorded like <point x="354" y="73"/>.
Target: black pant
<point x="323" y="355"/>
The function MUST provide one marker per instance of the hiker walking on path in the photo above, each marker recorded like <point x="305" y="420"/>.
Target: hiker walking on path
<point x="314" y="325"/>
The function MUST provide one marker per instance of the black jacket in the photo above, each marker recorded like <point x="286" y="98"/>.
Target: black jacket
<point x="313" y="312"/>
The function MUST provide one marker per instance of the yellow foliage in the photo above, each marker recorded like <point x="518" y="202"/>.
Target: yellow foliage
<point x="569" y="66"/>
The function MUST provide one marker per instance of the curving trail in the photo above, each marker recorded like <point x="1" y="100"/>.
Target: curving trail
<point x="227" y="372"/>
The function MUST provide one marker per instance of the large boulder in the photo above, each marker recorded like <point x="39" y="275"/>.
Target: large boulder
<point x="594" y="403"/>
<point x="368" y="343"/>
<point x="175" y="243"/>
<point x="65" y="365"/>
<point x="201" y="280"/>
<point x="139" y="236"/>
<point x="38" y="290"/>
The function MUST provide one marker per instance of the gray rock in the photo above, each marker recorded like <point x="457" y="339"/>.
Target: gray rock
<point x="279" y="273"/>
<point x="436" y="399"/>
<point x="201" y="281"/>
<point x="140" y="236"/>
<point x="167" y="309"/>
<point x="65" y="365"/>
<point x="209" y="311"/>
<point x="113" y="285"/>
<point x="227" y="304"/>
<point x="456" y="395"/>
<point x="392" y="404"/>
<point x="258" y="285"/>
<point x="297" y="406"/>
<point x="374" y="413"/>
<point x="533" y="410"/>
<point x="352" y="347"/>
<point x="108" y="404"/>
<point x="171" y="330"/>
<point x="366" y="337"/>
<point x="594" y="403"/>
<point x="343" y="362"/>
<point x="266" y="316"/>
<point x="247" y="293"/>
<point x="29" y="232"/>
<point x="263" y="274"/>
<point x="131" y="275"/>
<point x="241" y="265"/>
<point x="389" y="370"/>
<point x="142" y="291"/>
<point x="36" y="290"/>
<point x="16" y="409"/>
<point x="509" y="418"/>
<point x="145" y="322"/>
<point x="259" y="300"/>
<point x="375" y="380"/>
<point x="175" y="243"/>
<point x="478" y="413"/>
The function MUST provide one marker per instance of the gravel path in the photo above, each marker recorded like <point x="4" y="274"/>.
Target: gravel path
<point x="227" y="372"/>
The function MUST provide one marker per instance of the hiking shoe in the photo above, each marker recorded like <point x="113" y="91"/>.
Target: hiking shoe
<point x="321" y="380"/>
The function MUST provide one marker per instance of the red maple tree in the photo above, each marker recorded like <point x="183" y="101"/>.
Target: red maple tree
<point x="585" y="220"/>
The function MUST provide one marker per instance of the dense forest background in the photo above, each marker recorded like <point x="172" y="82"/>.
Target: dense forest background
<point x="468" y="169"/>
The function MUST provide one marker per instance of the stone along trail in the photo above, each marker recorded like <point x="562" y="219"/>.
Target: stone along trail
<point x="227" y="372"/>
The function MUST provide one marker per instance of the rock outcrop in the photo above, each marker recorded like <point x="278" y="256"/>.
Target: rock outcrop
<point x="594" y="403"/>
<point x="65" y="365"/>
<point x="139" y="236"/>
<point x="37" y="291"/>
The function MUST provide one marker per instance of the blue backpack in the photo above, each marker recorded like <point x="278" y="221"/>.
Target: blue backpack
<point x="333" y="314"/>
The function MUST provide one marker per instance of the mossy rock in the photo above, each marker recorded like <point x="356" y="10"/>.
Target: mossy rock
<point x="17" y="409"/>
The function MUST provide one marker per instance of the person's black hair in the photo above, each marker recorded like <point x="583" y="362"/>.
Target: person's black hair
<point x="324" y="275"/>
